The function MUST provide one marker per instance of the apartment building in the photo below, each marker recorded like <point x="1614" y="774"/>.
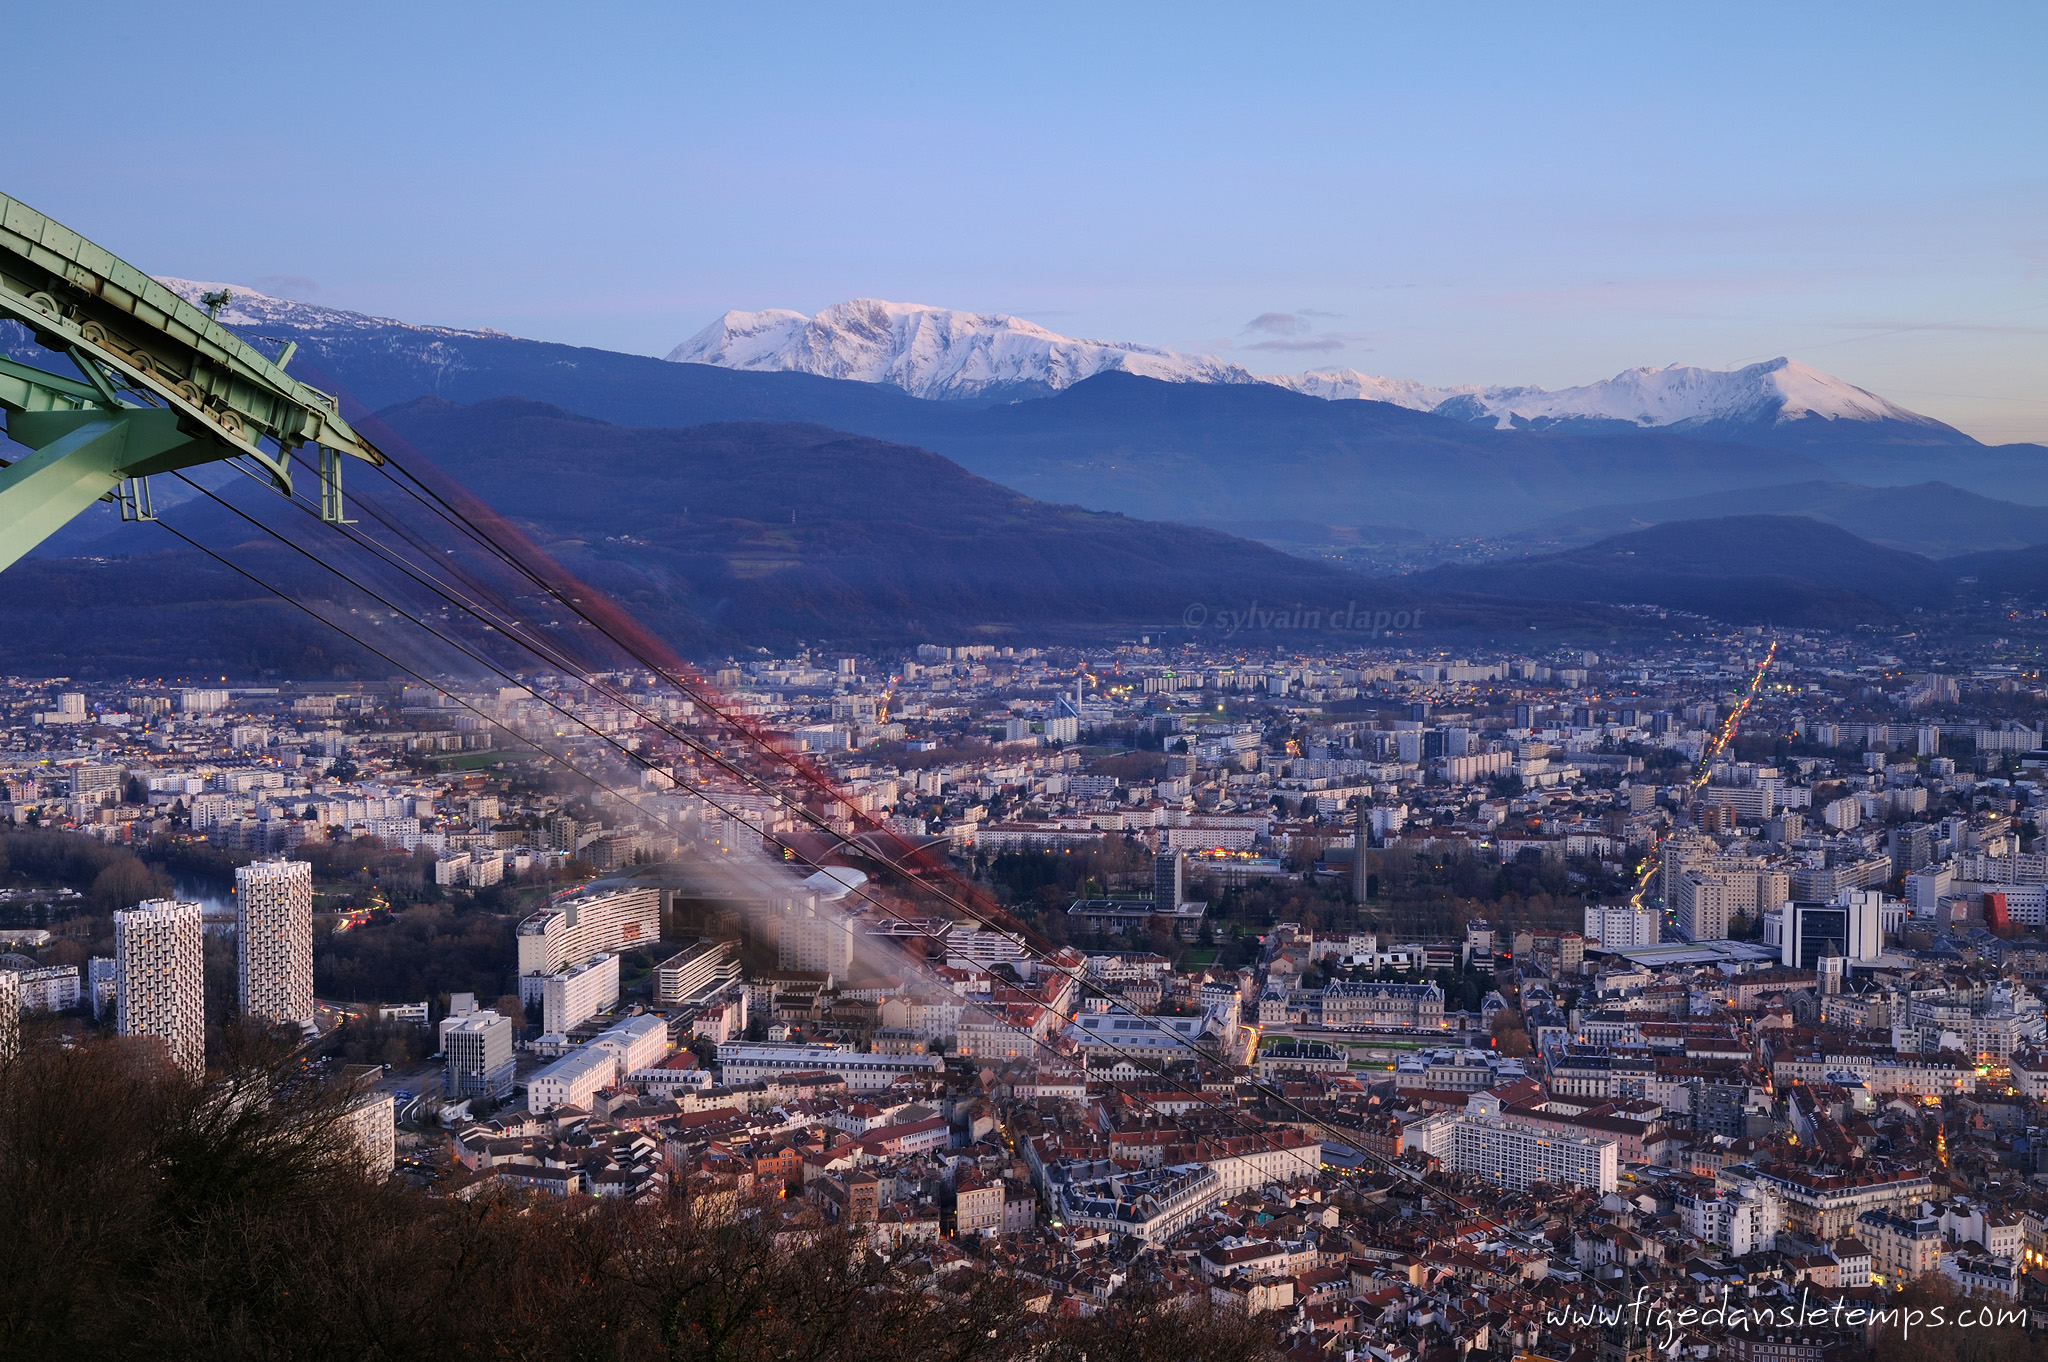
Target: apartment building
<point x="577" y="1077"/>
<point x="159" y="981"/>
<point x="816" y="939"/>
<point x="579" y="927"/>
<point x="1903" y="1244"/>
<point x="1826" y="1207"/>
<point x="1513" y="1156"/>
<point x="274" y="941"/>
<point x="742" y="1061"/>
<point x="1622" y="927"/>
<point x="696" y="972"/>
<point x="579" y="992"/>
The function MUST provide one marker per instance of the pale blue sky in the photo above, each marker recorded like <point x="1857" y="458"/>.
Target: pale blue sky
<point x="1452" y="193"/>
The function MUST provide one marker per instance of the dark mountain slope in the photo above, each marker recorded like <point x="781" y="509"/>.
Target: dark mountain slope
<point x="718" y="537"/>
<point x="1932" y="518"/>
<point x="817" y="532"/>
<point x="2021" y="573"/>
<point x="162" y="609"/>
<point x="1223" y="452"/>
<point x="1743" y="569"/>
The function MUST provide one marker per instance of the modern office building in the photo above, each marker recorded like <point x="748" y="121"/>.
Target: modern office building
<point x="1479" y="942"/>
<point x="1116" y="917"/>
<point x="1168" y="887"/>
<point x="476" y="1056"/>
<point x="1851" y="927"/>
<point x="159" y="979"/>
<point x="1361" y="846"/>
<point x="274" y="941"/>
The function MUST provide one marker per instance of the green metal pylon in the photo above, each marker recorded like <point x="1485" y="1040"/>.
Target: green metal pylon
<point x="161" y="386"/>
<point x="81" y="457"/>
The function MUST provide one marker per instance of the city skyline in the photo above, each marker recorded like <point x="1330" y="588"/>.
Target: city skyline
<point x="1188" y="682"/>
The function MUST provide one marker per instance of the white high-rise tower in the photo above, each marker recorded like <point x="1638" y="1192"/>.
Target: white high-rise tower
<point x="274" y="941"/>
<point x="159" y="979"/>
<point x="10" y="1014"/>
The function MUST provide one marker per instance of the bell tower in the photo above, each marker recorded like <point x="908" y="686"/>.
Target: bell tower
<point x="1622" y="1341"/>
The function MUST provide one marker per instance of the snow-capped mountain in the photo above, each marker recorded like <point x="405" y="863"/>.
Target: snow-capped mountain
<point x="935" y="352"/>
<point x="247" y="309"/>
<point x="1678" y="396"/>
<point x="1339" y="385"/>
<point x="932" y="352"/>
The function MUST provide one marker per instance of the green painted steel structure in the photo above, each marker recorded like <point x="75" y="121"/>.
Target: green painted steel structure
<point x="160" y="385"/>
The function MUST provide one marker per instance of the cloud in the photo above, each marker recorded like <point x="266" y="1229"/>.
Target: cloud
<point x="1278" y="324"/>
<point x="1319" y="344"/>
<point x="288" y="285"/>
<point x="1293" y="331"/>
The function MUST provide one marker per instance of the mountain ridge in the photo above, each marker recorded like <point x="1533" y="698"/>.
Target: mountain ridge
<point x="1676" y="397"/>
<point x="938" y="353"/>
<point x="1347" y="463"/>
<point x="933" y="352"/>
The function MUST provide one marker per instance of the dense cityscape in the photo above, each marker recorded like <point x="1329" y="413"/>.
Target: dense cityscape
<point x="1399" y="1001"/>
<point x="1062" y="684"/>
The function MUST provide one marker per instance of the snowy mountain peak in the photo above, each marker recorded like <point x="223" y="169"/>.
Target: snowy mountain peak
<point x="1340" y="384"/>
<point x="1677" y="395"/>
<point x="931" y="352"/>
<point x="936" y="352"/>
<point x="248" y="308"/>
<point x="1806" y="391"/>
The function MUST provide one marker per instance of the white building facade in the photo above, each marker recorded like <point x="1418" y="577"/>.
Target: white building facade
<point x="159" y="979"/>
<point x="578" y="928"/>
<point x="274" y="941"/>
<point x="1623" y="928"/>
<point x="582" y="990"/>
<point x="1514" y="1156"/>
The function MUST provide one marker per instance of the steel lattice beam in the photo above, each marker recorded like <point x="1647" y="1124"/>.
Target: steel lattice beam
<point x="160" y="385"/>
